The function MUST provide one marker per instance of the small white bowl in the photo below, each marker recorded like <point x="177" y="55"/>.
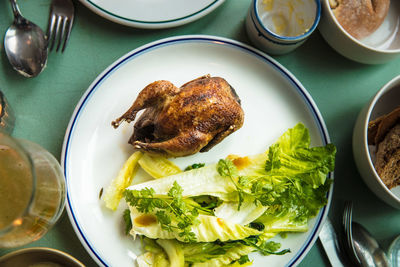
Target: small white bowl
<point x="386" y="100"/>
<point x="280" y="26"/>
<point x="380" y="47"/>
<point x="39" y="256"/>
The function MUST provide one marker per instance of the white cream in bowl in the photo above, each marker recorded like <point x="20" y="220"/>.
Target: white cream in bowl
<point x="288" y="18"/>
<point x="279" y="26"/>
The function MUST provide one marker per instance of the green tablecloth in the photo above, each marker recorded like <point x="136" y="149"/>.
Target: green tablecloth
<point x="340" y="88"/>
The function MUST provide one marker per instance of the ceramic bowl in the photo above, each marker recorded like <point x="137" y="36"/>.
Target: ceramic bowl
<point x="279" y="27"/>
<point x="39" y="256"/>
<point x="380" y="47"/>
<point x="385" y="100"/>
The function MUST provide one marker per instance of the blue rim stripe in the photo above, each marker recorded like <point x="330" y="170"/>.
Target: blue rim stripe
<point x="150" y="22"/>
<point x="289" y="38"/>
<point x="205" y="39"/>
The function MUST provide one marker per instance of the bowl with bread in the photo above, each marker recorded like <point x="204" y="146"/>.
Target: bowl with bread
<point x="376" y="143"/>
<point x="365" y="31"/>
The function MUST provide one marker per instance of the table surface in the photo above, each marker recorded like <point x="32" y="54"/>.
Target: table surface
<point x="340" y="88"/>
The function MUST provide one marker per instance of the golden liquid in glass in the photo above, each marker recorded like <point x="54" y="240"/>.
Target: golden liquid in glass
<point x="24" y="218"/>
<point x="15" y="185"/>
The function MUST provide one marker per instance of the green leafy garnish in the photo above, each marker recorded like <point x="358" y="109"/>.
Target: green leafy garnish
<point x="195" y="166"/>
<point x="202" y="252"/>
<point x="264" y="247"/>
<point x="166" y="209"/>
<point x="294" y="178"/>
<point x="258" y="226"/>
<point x="127" y="219"/>
<point x="226" y="168"/>
<point x="243" y="259"/>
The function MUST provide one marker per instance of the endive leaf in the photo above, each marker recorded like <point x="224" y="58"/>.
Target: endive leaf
<point x="209" y="229"/>
<point x="196" y="182"/>
<point x="158" y="166"/>
<point x="113" y="193"/>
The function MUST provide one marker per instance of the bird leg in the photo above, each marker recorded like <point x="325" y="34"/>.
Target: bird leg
<point x="218" y="138"/>
<point x="177" y="146"/>
<point x="149" y="96"/>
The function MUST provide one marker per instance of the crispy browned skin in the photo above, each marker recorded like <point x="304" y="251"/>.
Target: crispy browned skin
<point x="183" y="121"/>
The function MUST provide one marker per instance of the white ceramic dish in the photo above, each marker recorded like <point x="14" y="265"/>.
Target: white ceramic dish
<point x="39" y="257"/>
<point x="152" y="14"/>
<point x="280" y="27"/>
<point x="385" y="100"/>
<point x="93" y="152"/>
<point x="380" y="47"/>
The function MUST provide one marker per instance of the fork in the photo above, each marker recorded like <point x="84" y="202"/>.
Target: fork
<point x="348" y="232"/>
<point x="60" y="23"/>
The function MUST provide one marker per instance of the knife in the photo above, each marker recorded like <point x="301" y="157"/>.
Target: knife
<point x="329" y="240"/>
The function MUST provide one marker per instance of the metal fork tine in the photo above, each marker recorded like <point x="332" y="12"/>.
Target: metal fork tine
<point x="56" y="32"/>
<point x="68" y="32"/>
<point x="62" y="33"/>
<point x="60" y="24"/>
<point x="50" y="32"/>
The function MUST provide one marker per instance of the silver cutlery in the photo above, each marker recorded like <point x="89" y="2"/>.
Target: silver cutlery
<point x="330" y="242"/>
<point x="367" y="248"/>
<point x="348" y="235"/>
<point x="60" y="23"/>
<point x="362" y="247"/>
<point x="25" y="45"/>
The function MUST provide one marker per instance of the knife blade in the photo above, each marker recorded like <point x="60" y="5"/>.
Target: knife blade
<point x="329" y="240"/>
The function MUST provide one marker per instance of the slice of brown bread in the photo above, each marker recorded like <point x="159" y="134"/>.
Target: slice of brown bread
<point x="360" y="18"/>
<point x="390" y="173"/>
<point x="378" y="128"/>
<point x="373" y="130"/>
<point x="387" y="162"/>
<point x="387" y="123"/>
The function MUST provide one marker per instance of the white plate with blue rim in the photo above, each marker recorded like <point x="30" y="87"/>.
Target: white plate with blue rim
<point x="273" y="100"/>
<point x="152" y="14"/>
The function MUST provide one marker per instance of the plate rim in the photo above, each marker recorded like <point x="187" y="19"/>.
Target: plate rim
<point x="320" y="218"/>
<point x="151" y="24"/>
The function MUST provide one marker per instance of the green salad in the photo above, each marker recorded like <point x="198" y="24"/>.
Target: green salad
<point x="217" y="214"/>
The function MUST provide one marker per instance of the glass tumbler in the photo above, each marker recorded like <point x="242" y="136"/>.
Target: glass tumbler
<point x="394" y="252"/>
<point x="32" y="191"/>
<point x="7" y="118"/>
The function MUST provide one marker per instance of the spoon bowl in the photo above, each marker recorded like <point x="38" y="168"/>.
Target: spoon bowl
<point x="26" y="45"/>
<point x="367" y="248"/>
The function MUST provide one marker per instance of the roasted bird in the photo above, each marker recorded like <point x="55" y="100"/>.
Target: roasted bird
<point x="183" y="121"/>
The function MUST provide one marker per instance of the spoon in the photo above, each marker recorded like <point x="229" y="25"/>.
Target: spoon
<point x="367" y="248"/>
<point x="25" y="45"/>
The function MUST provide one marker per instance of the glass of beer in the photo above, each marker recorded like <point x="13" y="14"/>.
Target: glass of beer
<point x="32" y="191"/>
<point x="7" y="118"/>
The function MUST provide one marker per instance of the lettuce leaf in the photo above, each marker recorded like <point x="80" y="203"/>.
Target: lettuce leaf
<point x="195" y="182"/>
<point x="208" y="229"/>
<point x="232" y="254"/>
<point x="291" y="188"/>
<point x="248" y="212"/>
<point x="292" y="157"/>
